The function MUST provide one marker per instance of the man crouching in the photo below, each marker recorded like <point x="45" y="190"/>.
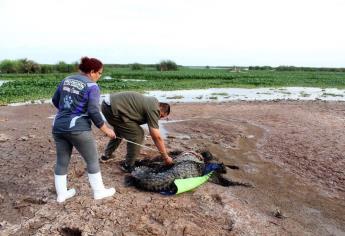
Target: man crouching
<point x="126" y="111"/>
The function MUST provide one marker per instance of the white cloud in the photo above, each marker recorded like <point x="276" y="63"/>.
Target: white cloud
<point x="218" y="32"/>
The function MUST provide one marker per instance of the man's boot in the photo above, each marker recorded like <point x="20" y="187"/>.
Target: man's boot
<point x="99" y="191"/>
<point x="61" y="188"/>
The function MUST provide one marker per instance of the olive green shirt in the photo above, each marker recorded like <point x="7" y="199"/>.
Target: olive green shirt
<point x="133" y="106"/>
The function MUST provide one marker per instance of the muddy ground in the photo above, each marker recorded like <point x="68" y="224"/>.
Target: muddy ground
<point x="291" y="152"/>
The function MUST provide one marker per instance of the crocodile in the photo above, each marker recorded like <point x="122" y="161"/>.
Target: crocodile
<point x="152" y="175"/>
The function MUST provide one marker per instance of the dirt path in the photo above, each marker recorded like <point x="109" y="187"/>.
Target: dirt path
<point x="291" y="152"/>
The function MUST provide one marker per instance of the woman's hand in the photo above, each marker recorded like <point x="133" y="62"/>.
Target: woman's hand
<point x="109" y="132"/>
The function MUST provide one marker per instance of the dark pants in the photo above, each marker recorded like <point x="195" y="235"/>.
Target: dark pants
<point x="129" y="130"/>
<point x="84" y="143"/>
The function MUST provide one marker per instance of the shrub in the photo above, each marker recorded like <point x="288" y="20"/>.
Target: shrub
<point x="63" y="67"/>
<point x="28" y="66"/>
<point x="45" y="69"/>
<point x="167" y="65"/>
<point x="8" y="66"/>
<point x="136" y="66"/>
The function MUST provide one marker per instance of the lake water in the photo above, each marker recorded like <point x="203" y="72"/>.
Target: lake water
<point x="242" y="94"/>
<point x="2" y="82"/>
<point x="235" y="94"/>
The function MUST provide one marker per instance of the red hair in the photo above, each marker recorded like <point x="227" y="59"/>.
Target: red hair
<point x="88" y="64"/>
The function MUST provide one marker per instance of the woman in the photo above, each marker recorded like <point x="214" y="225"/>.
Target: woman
<point x="77" y="101"/>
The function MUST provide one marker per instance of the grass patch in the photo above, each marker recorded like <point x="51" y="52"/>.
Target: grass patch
<point x="304" y="94"/>
<point x="26" y="87"/>
<point x="285" y="92"/>
<point x="264" y="93"/>
<point x="332" y="95"/>
<point x="175" y="97"/>
<point x="220" y="94"/>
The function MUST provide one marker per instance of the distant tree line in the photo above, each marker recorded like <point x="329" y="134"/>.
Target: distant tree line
<point x="132" y="66"/>
<point x="295" y="68"/>
<point x="165" y="65"/>
<point x="32" y="67"/>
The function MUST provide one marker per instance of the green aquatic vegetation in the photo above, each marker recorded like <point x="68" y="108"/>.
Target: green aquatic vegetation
<point x="304" y="94"/>
<point x="26" y="87"/>
<point x="285" y="92"/>
<point x="332" y="95"/>
<point x="265" y="93"/>
<point x="220" y="94"/>
<point x="175" y="97"/>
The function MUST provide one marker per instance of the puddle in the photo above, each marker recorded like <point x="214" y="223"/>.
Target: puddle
<point x="3" y="81"/>
<point x="164" y="132"/>
<point x="241" y="94"/>
<point x="259" y="94"/>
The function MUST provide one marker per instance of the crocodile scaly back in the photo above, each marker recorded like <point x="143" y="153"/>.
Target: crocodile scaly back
<point x="186" y="165"/>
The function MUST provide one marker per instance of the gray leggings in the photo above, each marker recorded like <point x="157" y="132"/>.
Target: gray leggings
<point x="84" y="143"/>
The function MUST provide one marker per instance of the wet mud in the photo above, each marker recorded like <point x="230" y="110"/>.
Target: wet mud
<point x="290" y="152"/>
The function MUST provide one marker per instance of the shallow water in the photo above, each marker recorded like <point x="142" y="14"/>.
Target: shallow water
<point x="260" y="94"/>
<point x="234" y="94"/>
<point x="2" y="82"/>
<point x="242" y="94"/>
<point x="164" y="132"/>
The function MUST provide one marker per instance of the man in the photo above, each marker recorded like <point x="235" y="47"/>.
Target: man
<point x="126" y="111"/>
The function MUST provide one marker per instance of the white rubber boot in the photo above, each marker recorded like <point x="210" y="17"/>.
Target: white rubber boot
<point x="99" y="191"/>
<point x="61" y="188"/>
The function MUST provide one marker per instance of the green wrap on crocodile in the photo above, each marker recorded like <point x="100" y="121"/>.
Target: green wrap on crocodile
<point x="185" y="185"/>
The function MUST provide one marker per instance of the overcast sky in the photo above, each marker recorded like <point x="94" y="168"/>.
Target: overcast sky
<point x="189" y="32"/>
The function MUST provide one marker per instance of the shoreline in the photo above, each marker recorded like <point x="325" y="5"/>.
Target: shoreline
<point x="217" y="95"/>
